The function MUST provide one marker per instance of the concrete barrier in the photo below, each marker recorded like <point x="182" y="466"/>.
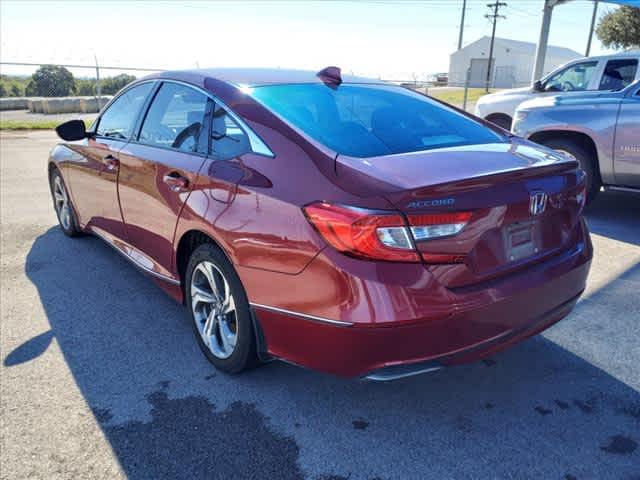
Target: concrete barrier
<point x="66" y="104"/>
<point x="61" y="105"/>
<point x="14" y="103"/>
<point x="35" y="104"/>
<point x="90" y="104"/>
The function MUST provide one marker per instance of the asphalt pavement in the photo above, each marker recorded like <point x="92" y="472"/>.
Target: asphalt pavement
<point x="101" y="376"/>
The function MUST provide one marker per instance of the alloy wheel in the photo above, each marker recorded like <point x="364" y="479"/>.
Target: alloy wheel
<point x="214" y="309"/>
<point x="61" y="199"/>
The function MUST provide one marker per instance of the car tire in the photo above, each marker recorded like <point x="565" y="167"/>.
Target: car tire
<point x="584" y="158"/>
<point x="223" y="328"/>
<point x="501" y="120"/>
<point x="63" y="206"/>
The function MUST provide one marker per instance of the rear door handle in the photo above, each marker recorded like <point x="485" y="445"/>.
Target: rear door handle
<point x="111" y="162"/>
<point x="176" y="182"/>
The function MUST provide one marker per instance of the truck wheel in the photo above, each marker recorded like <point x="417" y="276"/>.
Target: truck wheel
<point x="584" y="157"/>
<point x="501" y="119"/>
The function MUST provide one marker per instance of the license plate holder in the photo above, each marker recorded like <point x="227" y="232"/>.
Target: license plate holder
<point x="521" y="240"/>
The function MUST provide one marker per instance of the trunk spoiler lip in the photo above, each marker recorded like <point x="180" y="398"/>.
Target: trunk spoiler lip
<point x="512" y="174"/>
<point x="385" y="188"/>
<point x="358" y="175"/>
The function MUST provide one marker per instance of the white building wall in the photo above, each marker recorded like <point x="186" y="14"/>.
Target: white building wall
<point x="513" y="62"/>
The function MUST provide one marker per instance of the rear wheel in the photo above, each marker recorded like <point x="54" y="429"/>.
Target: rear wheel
<point x="63" y="206"/>
<point x="584" y="157"/>
<point x="219" y="310"/>
<point x="501" y="119"/>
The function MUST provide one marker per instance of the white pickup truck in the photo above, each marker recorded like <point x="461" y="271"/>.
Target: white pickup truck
<point x="606" y="73"/>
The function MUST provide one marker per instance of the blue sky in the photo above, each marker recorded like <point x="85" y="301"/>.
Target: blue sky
<point x="381" y="38"/>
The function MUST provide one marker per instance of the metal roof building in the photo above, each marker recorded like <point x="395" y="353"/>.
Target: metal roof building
<point x="513" y="62"/>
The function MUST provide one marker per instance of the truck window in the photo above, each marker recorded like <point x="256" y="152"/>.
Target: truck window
<point x="618" y="74"/>
<point x="571" y="79"/>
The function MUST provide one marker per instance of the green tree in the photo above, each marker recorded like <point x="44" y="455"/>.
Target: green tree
<point x="3" y="90"/>
<point x="111" y="85"/>
<point x="16" y="91"/>
<point x="30" y="89"/>
<point x="51" y="81"/>
<point x="620" y="28"/>
<point x="85" y="88"/>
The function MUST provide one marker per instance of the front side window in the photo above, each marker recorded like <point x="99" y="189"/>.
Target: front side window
<point x="370" y="120"/>
<point x="119" y="120"/>
<point x="228" y="140"/>
<point x="618" y="74"/>
<point x="176" y="119"/>
<point x="575" y="78"/>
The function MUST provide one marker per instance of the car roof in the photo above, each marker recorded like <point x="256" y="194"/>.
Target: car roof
<point x="626" y="53"/>
<point x="253" y="77"/>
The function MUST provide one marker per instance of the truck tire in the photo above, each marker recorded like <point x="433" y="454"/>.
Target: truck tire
<point x="501" y="119"/>
<point x="585" y="158"/>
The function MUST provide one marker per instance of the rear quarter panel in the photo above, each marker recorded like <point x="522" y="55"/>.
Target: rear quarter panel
<point x="259" y="222"/>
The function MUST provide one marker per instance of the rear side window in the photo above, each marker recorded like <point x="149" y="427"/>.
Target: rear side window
<point x="228" y="140"/>
<point x="176" y="119"/>
<point x="118" y="121"/>
<point x="618" y="74"/>
<point x="369" y="120"/>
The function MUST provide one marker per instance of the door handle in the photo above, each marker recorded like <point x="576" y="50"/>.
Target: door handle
<point x="176" y="182"/>
<point x="111" y="162"/>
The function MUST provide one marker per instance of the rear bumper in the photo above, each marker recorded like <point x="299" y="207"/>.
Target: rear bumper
<point x="478" y="323"/>
<point x="475" y="352"/>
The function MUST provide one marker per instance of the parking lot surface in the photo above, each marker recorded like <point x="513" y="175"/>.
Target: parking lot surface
<point x="101" y="376"/>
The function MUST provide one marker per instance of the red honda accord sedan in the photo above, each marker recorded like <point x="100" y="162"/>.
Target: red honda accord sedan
<point x="339" y="223"/>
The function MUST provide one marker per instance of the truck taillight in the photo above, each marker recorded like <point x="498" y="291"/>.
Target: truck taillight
<point x="581" y="198"/>
<point x="383" y="235"/>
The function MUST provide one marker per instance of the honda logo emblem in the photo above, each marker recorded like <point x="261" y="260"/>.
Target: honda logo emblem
<point x="537" y="203"/>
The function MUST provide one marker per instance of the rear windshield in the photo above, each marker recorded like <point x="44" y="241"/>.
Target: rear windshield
<point x="369" y="120"/>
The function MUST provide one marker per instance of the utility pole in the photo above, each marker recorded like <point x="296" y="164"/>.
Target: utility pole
<point x="464" y="8"/>
<point x="98" y="87"/>
<point x="494" y="17"/>
<point x="593" y="24"/>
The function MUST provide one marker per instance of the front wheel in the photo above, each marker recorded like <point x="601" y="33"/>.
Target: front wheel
<point x="219" y="309"/>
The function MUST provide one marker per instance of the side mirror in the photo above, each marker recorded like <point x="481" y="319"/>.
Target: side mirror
<point x="72" y="130"/>
<point x="537" y="86"/>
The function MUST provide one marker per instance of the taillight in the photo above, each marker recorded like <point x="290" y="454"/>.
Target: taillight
<point x="384" y="235"/>
<point x="363" y="233"/>
<point x="435" y="225"/>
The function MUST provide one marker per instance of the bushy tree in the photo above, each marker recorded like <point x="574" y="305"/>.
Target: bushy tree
<point x="16" y="91"/>
<point x="111" y="85"/>
<point x="30" y="89"/>
<point x="3" y="90"/>
<point x="51" y="81"/>
<point x="620" y="28"/>
<point x="85" y="88"/>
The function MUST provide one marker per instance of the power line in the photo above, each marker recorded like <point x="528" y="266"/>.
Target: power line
<point x="31" y="64"/>
<point x="494" y="17"/>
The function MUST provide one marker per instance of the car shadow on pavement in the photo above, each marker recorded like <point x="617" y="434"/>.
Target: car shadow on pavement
<point x="615" y="215"/>
<point x="539" y="410"/>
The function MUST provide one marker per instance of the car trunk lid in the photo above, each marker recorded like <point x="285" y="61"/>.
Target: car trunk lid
<point x="524" y="203"/>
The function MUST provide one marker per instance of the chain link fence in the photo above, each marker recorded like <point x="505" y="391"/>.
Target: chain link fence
<point x="43" y="95"/>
